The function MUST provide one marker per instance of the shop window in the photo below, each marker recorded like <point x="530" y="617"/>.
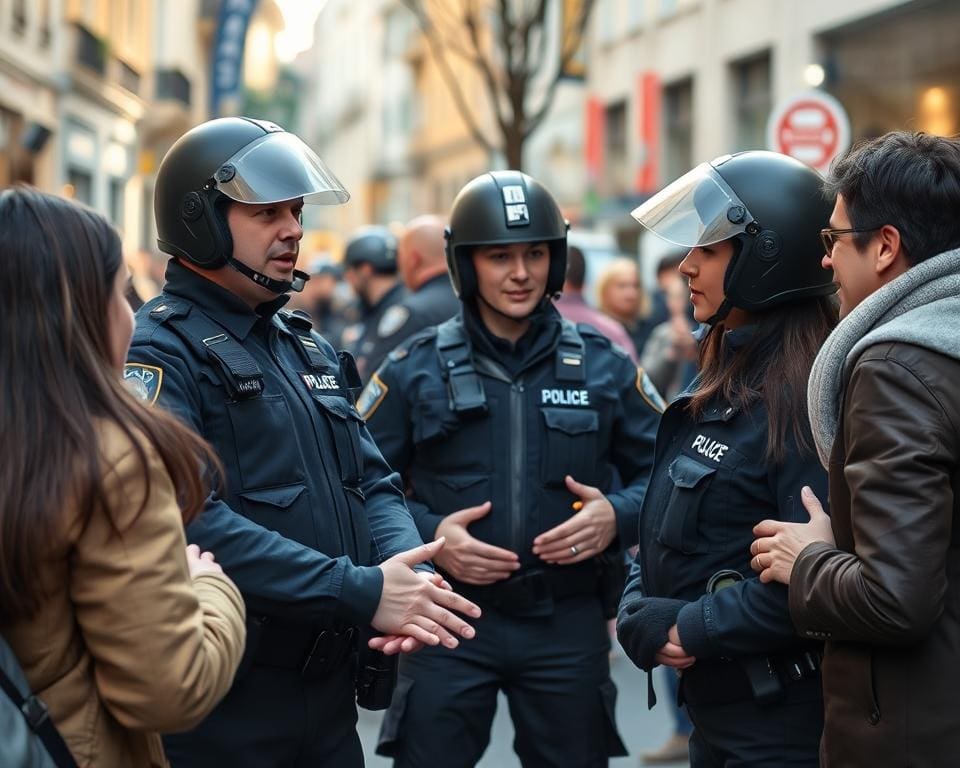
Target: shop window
<point x="752" y="101"/>
<point x="616" y="175"/>
<point x="116" y="201"/>
<point x="81" y="183"/>
<point x="677" y="129"/>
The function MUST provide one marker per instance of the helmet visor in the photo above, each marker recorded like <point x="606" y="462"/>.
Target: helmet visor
<point x="279" y="167"/>
<point x="697" y="209"/>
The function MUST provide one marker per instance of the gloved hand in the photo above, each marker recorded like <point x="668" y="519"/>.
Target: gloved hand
<point x="642" y="627"/>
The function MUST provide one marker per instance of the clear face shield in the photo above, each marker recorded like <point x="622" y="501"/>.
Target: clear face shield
<point x="278" y="167"/>
<point x="697" y="209"/>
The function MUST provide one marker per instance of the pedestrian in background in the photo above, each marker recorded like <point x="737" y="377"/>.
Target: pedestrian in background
<point x="670" y="355"/>
<point x="311" y="523"/>
<point x="572" y="306"/>
<point x="731" y="451"/>
<point x="878" y="580"/>
<point x="506" y="423"/>
<point x="121" y="629"/>
<point x="621" y="295"/>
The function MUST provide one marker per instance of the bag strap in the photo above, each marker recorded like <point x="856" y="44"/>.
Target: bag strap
<point x="35" y="712"/>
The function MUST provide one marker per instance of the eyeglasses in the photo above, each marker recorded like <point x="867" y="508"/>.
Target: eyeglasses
<point x="829" y="236"/>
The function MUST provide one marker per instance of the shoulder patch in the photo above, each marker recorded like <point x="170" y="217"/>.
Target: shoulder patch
<point x="392" y="320"/>
<point x="649" y="392"/>
<point x="143" y="381"/>
<point x="371" y="397"/>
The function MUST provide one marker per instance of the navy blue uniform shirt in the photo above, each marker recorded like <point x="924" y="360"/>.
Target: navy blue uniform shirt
<point x="535" y="431"/>
<point x="283" y="525"/>
<point x="710" y="485"/>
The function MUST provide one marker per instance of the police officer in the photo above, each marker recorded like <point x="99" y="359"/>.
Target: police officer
<point x="733" y="449"/>
<point x="506" y="423"/>
<point x="309" y="522"/>
<point x="429" y="298"/>
<point x="370" y="262"/>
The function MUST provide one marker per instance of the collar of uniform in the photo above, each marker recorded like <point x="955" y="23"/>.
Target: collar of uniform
<point x="390" y="297"/>
<point x="736" y="338"/>
<point x="539" y="339"/>
<point x="216" y="301"/>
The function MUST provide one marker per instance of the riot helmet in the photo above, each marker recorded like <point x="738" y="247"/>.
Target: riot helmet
<point x="499" y="208"/>
<point x="375" y="246"/>
<point x="233" y="159"/>
<point x="771" y="206"/>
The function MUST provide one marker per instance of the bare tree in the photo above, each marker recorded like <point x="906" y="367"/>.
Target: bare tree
<point x="520" y="63"/>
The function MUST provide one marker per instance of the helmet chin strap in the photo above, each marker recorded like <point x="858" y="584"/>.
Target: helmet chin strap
<point x="721" y="314"/>
<point x="271" y="284"/>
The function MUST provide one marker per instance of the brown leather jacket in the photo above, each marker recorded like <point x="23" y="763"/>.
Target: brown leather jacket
<point x="126" y="644"/>
<point x="887" y="598"/>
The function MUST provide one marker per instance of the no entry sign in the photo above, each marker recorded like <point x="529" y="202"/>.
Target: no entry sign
<point x="812" y="127"/>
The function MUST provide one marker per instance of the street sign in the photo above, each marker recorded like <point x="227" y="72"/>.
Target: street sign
<point x="810" y="126"/>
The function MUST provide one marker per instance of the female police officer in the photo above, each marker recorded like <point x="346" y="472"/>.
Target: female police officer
<point x="500" y="421"/>
<point x="734" y="449"/>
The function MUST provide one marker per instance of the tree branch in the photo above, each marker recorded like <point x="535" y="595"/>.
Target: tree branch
<point x="436" y="48"/>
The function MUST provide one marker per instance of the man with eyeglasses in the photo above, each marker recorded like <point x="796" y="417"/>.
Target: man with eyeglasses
<point x="879" y="580"/>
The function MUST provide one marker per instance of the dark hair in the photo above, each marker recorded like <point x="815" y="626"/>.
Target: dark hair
<point x="576" y="267"/>
<point x="669" y="263"/>
<point x="908" y="180"/>
<point x="773" y="368"/>
<point x="59" y="261"/>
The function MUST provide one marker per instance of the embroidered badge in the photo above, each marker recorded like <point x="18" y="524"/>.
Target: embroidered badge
<point x="143" y="381"/>
<point x="649" y="392"/>
<point x="392" y="320"/>
<point x="371" y="397"/>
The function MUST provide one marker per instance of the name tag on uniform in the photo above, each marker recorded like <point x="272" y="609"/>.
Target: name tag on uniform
<point x="712" y="449"/>
<point x="564" y="397"/>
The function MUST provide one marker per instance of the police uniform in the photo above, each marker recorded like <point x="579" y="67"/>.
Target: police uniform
<point x="432" y="303"/>
<point x="363" y="338"/>
<point x="307" y="508"/>
<point x="710" y="485"/>
<point x="466" y="418"/>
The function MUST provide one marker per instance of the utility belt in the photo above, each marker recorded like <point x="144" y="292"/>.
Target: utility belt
<point x="315" y="654"/>
<point x="765" y="679"/>
<point x="533" y="592"/>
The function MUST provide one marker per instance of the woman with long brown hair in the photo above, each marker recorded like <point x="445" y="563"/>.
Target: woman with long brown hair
<point x="735" y="448"/>
<point x="121" y="629"/>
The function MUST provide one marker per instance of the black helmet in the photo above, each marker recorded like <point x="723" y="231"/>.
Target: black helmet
<point x="375" y="246"/>
<point x="773" y="208"/>
<point x="239" y="159"/>
<point x="502" y="207"/>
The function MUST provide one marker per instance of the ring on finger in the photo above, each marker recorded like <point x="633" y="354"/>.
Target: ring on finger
<point x="573" y="550"/>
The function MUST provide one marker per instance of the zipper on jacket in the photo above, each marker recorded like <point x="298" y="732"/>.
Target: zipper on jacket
<point x="518" y="451"/>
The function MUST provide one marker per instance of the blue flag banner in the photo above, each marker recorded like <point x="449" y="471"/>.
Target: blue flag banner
<point x="227" y="64"/>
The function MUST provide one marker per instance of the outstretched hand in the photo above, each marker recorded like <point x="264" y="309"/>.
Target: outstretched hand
<point x="416" y="606"/>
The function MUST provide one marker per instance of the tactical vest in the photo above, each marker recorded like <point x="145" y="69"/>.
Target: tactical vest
<point x="242" y="379"/>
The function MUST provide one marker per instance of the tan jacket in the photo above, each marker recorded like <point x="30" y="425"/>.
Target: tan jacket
<point x="125" y="644"/>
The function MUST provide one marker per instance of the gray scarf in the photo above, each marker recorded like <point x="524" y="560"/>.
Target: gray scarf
<point x="920" y="307"/>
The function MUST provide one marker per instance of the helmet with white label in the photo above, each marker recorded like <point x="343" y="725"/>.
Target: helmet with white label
<point x="500" y="208"/>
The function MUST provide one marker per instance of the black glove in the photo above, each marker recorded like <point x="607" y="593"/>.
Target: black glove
<point x="642" y="627"/>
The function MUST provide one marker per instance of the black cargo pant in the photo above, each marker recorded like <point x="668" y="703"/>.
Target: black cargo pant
<point x="554" y="670"/>
<point x="273" y="717"/>
<point x="738" y="734"/>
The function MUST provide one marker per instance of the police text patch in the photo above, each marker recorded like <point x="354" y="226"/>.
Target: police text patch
<point x="143" y="381"/>
<point x="565" y="396"/>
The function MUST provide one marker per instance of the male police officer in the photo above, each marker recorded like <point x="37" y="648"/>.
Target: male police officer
<point x="506" y="419"/>
<point x="371" y="269"/>
<point x="429" y="299"/>
<point x="309" y="523"/>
